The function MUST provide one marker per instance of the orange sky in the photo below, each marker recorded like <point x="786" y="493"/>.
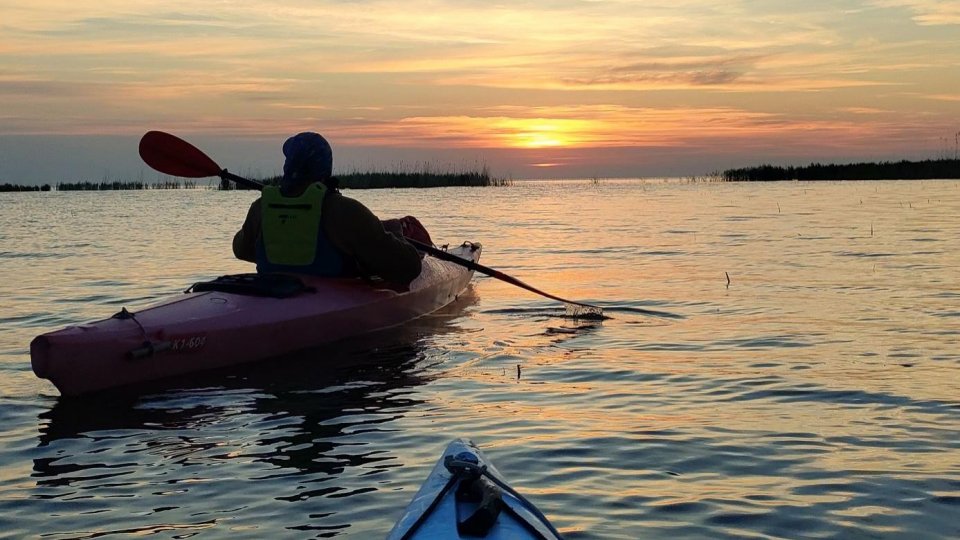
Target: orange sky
<point x="567" y="88"/>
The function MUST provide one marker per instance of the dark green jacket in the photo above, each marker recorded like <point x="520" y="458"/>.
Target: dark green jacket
<point x="355" y="231"/>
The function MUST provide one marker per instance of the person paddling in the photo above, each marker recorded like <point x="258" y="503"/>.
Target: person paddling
<point x="306" y="226"/>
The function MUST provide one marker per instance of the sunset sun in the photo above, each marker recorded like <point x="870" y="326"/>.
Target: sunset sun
<point x="547" y="133"/>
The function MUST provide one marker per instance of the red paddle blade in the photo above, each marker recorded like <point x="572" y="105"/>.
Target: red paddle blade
<point x="174" y="156"/>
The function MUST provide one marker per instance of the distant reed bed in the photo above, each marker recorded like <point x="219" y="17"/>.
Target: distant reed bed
<point x="101" y="186"/>
<point x="121" y="186"/>
<point x="355" y="180"/>
<point x="426" y="177"/>
<point x="899" y="170"/>
<point x="18" y="187"/>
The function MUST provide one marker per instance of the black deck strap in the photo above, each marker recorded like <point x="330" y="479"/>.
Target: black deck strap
<point x="488" y="501"/>
<point x="527" y="505"/>
<point x="269" y="285"/>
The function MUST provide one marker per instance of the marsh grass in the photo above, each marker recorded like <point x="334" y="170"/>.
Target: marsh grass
<point x="422" y="176"/>
<point x="886" y="170"/>
<point x="416" y="179"/>
<point x="121" y="186"/>
<point x="5" y="188"/>
<point x="425" y="176"/>
<point x="715" y="176"/>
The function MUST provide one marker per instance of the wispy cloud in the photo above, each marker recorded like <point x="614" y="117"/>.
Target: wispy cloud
<point x="863" y="110"/>
<point x="927" y="12"/>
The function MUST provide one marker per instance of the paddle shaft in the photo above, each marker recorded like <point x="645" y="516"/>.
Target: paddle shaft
<point x="172" y="155"/>
<point x="440" y="254"/>
<point x="226" y="175"/>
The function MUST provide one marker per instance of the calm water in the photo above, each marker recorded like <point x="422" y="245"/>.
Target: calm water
<point x="817" y="395"/>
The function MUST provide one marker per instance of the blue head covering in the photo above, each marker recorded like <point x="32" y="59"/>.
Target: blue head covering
<point x="309" y="159"/>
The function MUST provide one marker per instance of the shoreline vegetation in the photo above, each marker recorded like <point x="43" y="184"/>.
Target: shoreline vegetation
<point x="420" y="179"/>
<point x="929" y="169"/>
<point x="102" y="186"/>
<point x="354" y="180"/>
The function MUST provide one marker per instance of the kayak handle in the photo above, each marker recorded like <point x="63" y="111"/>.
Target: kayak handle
<point x="148" y="349"/>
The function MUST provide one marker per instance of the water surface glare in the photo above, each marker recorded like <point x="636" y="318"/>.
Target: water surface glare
<point x="781" y="361"/>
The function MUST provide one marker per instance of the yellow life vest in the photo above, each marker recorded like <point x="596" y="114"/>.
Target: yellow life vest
<point x="291" y="225"/>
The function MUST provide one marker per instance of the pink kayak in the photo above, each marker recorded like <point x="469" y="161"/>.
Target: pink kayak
<point x="237" y="319"/>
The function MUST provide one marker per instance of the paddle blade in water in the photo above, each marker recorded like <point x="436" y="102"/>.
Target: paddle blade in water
<point x="581" y="311"/>
<point x="174" y="156"/>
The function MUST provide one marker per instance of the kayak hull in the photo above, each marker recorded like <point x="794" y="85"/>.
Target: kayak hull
<point x="205" y="330"/>
<point x="435" y="513"/>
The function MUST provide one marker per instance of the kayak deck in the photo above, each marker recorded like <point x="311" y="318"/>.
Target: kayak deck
<point x="210" y="327"/>
<point x="465" y="496"/>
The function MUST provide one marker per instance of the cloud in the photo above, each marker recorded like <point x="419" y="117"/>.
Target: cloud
<point x="44" y="89"/>
<point x="663" y="80"/>
<point x="863" y="110"/>
<point x="682" y="71"/>
<point x="927" y="12"/>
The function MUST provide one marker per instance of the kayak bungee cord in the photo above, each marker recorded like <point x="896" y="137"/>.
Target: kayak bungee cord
<point x="148" y="347"/>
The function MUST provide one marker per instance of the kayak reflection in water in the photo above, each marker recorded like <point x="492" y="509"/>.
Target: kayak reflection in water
<point x="305" y="226"/>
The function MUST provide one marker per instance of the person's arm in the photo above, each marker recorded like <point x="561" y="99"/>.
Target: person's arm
<point x="245" y="241"/>
<point x="356" y="231"/>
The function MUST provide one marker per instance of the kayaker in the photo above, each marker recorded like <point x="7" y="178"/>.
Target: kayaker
<point x="307" y="226"/>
